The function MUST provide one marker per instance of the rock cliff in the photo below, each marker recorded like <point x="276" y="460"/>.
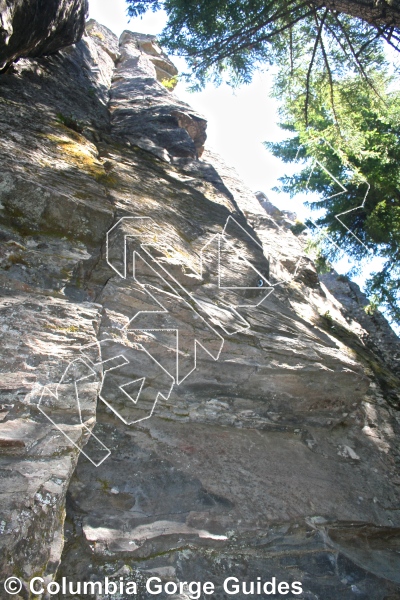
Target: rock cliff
<point x="36" y="28"/>
<point x="140" y="278"/>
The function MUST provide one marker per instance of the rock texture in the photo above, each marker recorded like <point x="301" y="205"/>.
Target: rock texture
<point x="273" y="446"/>
<point x="36" y="28"/>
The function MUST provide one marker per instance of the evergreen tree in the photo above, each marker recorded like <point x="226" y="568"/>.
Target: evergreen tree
<point x="351" y="158"/>
<point x="333" y="85"/>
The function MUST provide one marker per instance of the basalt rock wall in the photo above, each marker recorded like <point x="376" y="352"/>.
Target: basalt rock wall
<point x="36" y="28"/>
<point x="181" y="395"/>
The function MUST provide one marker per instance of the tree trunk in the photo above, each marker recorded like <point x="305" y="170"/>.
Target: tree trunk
<point x="375" y="12"/>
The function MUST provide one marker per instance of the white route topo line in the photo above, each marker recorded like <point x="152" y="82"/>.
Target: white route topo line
<point x="315" y="162"/>
<point x="180" y="293"/>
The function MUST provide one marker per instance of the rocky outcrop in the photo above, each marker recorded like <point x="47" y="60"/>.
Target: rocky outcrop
<point x="374" y="331"/>
<point x="142" y="278"/>
<point x="141" y="110"/>
<point x="281" y="217"/>
<point x="36" y="28"/>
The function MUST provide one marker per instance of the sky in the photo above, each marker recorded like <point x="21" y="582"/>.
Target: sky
<point x="238" y="121"/>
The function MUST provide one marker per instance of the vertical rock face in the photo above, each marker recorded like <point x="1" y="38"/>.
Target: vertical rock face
<point x="142" y="112"/>
<point x="36" y="28"/>
<point x="141" y="278"/>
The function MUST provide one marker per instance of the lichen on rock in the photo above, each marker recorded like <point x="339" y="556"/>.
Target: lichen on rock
<point x="273" y="446"/>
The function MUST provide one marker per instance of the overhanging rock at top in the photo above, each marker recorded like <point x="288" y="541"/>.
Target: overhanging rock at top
<point x="277" y="455"/>
<point x="32" y="28"/>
